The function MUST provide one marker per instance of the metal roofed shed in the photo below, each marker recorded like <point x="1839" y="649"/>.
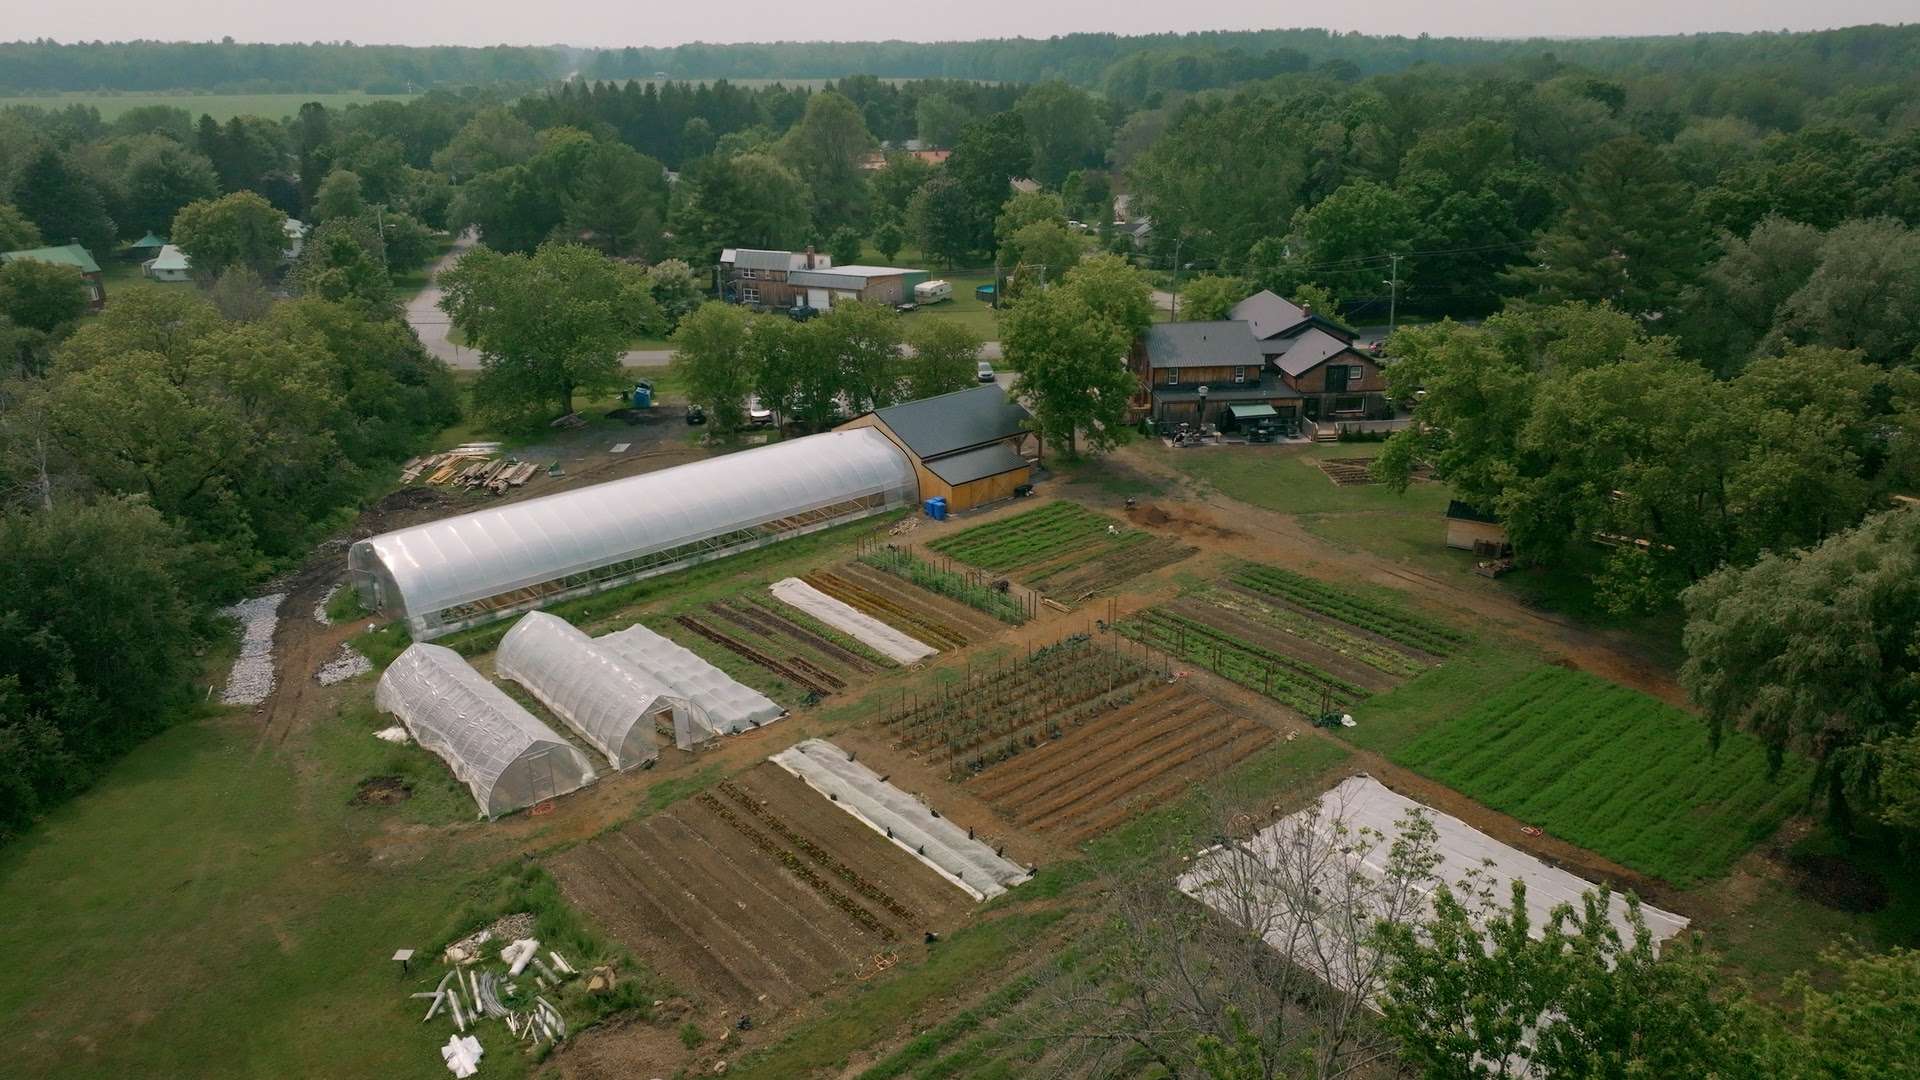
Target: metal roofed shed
<point x="605" y="700"/>
<point x="505" y="756"/>
<point x="728" y="706"/>
<point x="968" y="447"/>
<point x="968" y="466"/>
<point x="474" y="568"/>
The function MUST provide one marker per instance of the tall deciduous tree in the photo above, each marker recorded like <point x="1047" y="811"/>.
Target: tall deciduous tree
<point x="16" y="231"/>
<point x="1066" y="128"/>
<point x="864" y="339"/>
<point x="1211" y="296"/>
<point x="162" y="176"/>
<point x="1819" y="652"/>
<point x="41" y="296"/>
<point x="942" y="220"/>
<point x="945" y="357"/>
<point x="241" y="229"/>
<point x="748" y="200"/>
<point x="827" y="148"/>
<point x="712" y="347"/>
<point x="1073" y="367"/>
<point x="549" y="326"/>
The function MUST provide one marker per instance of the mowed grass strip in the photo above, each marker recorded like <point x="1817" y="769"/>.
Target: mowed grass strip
<point x="1612" y="770"/>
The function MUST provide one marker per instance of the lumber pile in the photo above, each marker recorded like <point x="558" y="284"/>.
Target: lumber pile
<point x="471" y="465"/>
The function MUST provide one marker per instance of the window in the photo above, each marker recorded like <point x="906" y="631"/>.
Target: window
<point x="749" y="273"/>
<point x="749" y="294"/>
<point x="1348" y="404"/>
<point x="1240" y="374"/>
<point x="1173" y="376"/>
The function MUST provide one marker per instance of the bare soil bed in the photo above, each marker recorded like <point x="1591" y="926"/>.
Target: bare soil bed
<point x="1096" y="775"/>
<point x="758" y="893"/>
<point x="935" y="620"/>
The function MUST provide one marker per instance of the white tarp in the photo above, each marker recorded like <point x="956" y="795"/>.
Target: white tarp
<point x="607" y="701"/>
<point x="865" y="628"/>
<point x="1225" y="878"/>
<point x="726" y="706"/>
<point x="908" y="822"/>
<point x="504" y="755"/>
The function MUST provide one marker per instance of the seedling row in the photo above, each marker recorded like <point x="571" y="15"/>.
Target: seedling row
<point x="1367" y="650"/>
<point x="1290" y="681"/>
<point x="1387" y="620"/>
<point x="967" y="588"/>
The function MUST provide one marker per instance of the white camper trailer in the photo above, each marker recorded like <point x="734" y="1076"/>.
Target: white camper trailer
<point x="932" y="292"/>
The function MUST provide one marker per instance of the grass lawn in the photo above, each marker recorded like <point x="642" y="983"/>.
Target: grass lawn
<point x="222" y="107"/>
<point x="1608" y="768"/>
<point x="215" y="908"/>
<point x="1285" y="479"/>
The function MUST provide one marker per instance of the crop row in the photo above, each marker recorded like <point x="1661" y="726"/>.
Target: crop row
<point x="797" y="867"/>
<point x="817" y="853"/>
<point x="1387" y="620"/>
<point x="1366" y="650"/>
<point x="962" y="587"/>
<point x="1292" y="682"/>
<point x="1027" y="538"/>
<point x="1612" y="770"/>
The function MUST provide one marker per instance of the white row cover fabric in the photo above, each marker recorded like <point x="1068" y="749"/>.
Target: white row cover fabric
<point x="1226" y="877"/>
<point x="607" y="701"/>
<point x="865" y="628"/>
<point x="723" y="705"/>
<point x="505" y="756"/>
<point x="908" y="822"/>
<point x="421" y="571"/>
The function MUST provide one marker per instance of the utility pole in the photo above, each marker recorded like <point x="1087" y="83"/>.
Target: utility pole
<point x="1393" y="295"/>
<point x="1174" y="314"/>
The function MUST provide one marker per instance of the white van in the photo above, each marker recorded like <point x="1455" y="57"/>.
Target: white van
<point x="932" y="292"/>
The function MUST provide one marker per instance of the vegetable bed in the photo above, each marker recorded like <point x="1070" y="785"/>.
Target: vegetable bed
<point x="1612" y="770"/>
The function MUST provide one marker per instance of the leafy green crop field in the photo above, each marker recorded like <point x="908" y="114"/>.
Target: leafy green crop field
<point x="1064" y="549"/>
<point x="1612" y="770"/>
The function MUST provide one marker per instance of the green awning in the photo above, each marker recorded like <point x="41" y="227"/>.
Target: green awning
<point x="1262" y="411"/>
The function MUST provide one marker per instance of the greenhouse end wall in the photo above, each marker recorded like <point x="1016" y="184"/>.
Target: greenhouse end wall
<point x="475" y="568"/>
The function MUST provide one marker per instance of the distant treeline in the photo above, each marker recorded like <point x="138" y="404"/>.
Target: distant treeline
<point x="1131" y="69"/>
<point x="48" y="66"/>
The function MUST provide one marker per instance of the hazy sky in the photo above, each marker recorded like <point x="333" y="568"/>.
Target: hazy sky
<point x="670" y="22"/>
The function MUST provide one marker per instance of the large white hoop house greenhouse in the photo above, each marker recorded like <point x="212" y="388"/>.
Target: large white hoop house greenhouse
<point x="607" y="701"/>
<point x="474" y="568"/>
<point x="505" y="756"/>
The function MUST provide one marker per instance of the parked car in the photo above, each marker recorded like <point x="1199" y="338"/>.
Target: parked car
<point x="906" y="307"/>
<point x="801" y="312"/>
<point x="696" y="415"/>
<point x="985" y="371"/>
<point x="758" y="415"/>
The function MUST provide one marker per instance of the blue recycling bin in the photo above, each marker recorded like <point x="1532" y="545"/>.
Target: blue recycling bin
<point x="936" y="508"/>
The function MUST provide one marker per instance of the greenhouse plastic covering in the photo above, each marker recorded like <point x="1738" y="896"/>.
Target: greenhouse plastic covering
<point x="912" y="825"/>
<point x="863" y="627"/>
<point x="607" y="701"/>
<point x="726" y="706"/>
<point x="419" y="571"/>
<point x="1225" y="877"/>
<point x="505" y="756"/>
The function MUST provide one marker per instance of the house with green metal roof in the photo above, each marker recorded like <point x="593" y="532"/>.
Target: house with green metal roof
<point x="73" y="255"/>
